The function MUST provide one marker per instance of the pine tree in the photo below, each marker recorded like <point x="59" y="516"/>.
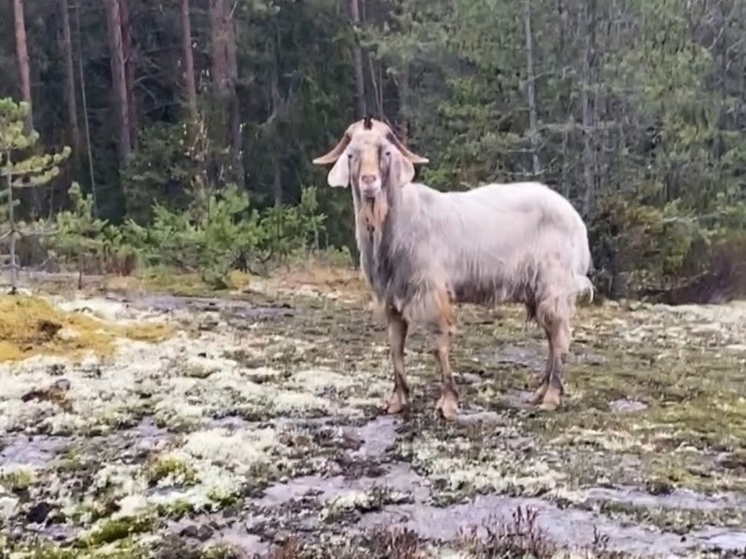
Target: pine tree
<point x="20" y="172"/>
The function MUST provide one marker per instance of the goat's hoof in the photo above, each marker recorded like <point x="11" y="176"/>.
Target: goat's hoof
<point x="397" y="404"/>
<point x="551" y="399"/>
<point x="538" y="396"/>
<point x="448" y="407"/>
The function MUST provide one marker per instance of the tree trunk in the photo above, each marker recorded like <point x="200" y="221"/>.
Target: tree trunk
<point x="531" y="89"/>
<point x="128" y="53"/>
<point x="234" y="108"/>
<point x="589" y="172"/>
<point x="84" y="107"/>
<point x="565" y="107"/>
<point x="72" y="106"/>
<point x="217" y="48"/>
<point x="357" y="53"/>
<point x="113" y="20"/>
<point x="277" y="154"/>
<point x="190" y="83"/>
<point x="22" y="57"/>
<point x="403" y="92"/>
<point x="224" y="79"/>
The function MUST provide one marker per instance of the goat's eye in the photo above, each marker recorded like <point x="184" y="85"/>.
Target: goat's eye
<point x="387" y="153"/>
<point x="349" y="156"/>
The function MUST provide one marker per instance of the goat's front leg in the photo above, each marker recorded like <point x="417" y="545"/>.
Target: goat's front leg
<point x="448" y="402"/>
<point x="397" y="327"/>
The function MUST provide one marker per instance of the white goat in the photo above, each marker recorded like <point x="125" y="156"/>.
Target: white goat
<point x="422" y="251"/>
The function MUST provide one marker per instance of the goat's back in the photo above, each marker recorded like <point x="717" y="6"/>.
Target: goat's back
<point x="494" y="238"/>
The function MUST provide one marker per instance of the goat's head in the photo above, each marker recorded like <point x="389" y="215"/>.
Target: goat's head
<point x="371" y="158"/>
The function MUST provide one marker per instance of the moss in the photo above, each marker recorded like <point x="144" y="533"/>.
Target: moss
<point x="175" y="510"/>
<point x="680" y="521"/>
<point x="51" y="551"/>
<point x="90" y="512"/>
<point x="117" y="529"/>
<point x="221" y="551"/>
<point x="32" y="325"/>
<point x="169" y="466"/>
<point x="222" y="499"/>
<point x="165" y="280"/>
<point x="149" y="332"/>
<point x="18" y="480"/>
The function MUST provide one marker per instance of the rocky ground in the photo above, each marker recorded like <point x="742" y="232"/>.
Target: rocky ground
<point x="252" y="426"/>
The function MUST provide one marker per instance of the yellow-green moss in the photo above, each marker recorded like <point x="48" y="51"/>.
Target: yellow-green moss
<point x="44" y="550"/>
<point x="188" y="284"/>
<point x="17" y="480"/>
<point x="165" y="466"/>
<point x="31" y="325"/>
<point x="117" y="529"/>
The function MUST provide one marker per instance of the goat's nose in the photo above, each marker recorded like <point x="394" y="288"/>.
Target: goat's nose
<point x="367" y="179"/>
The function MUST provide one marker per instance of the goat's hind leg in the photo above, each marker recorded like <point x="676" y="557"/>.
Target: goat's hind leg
<point x="531" y="314"/>
<point x="538" y="396"/>
<point x="556" y="320"/>
<point x="448" y="401"/>
<point x="397" y="330"/>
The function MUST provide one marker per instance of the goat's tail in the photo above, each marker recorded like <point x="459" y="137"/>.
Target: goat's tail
<point x="584" y="286"/>
<point x="584" y="265"/>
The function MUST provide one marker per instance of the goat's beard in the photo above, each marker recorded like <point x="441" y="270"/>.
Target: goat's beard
<point x="373" y="211"/>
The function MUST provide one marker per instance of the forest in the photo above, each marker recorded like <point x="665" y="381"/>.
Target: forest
<point x="179" y="134"/>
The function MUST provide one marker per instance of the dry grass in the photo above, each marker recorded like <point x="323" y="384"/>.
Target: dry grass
<point x="320" y="275"/>
<point x="520" y="537"/>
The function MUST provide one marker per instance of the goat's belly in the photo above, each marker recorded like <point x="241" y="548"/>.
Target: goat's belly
<point x="486" y="293"/>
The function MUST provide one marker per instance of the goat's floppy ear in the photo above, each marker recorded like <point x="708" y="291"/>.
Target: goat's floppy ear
<point x="339" y="174"/>
<point x="401" y="171"/>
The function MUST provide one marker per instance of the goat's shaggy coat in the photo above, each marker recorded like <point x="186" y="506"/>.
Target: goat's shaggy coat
<point x="422" y="251"/>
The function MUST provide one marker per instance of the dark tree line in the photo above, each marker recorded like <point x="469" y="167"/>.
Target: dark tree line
<point x="634" y="109"/>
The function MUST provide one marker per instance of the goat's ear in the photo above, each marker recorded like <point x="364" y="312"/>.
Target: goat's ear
<point x="339" y="174"/>
<point x="401" y="172"/>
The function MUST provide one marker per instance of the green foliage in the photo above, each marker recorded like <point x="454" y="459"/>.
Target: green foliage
<point x="85" y="240"/>
<point x="33" y="170"/>
<point x="160" y="172"/>
<point x="227" y="233"/>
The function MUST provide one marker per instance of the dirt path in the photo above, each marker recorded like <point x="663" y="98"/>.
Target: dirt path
<point x="253" y="425"/>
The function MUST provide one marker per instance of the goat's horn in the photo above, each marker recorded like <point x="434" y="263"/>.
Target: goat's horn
<point x="413" y="157"/>
<point x="335" y="152"/>
<point x="385" y="129"/>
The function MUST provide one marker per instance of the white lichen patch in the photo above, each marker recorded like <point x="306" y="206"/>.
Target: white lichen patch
<point x="463" y="465"/>
<point x="183" y="381"/>
<point x="350" y="500"/>
<point x="663" y="326"/>
<point x="614" y="441"/>
<point x="319" y="379"/>
<point x="8" y="506"/>
<point x="103" y="309"/>
<point x="204" y="470"/>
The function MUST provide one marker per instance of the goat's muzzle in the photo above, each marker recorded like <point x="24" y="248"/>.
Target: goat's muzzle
<point x="370" y="187"/>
